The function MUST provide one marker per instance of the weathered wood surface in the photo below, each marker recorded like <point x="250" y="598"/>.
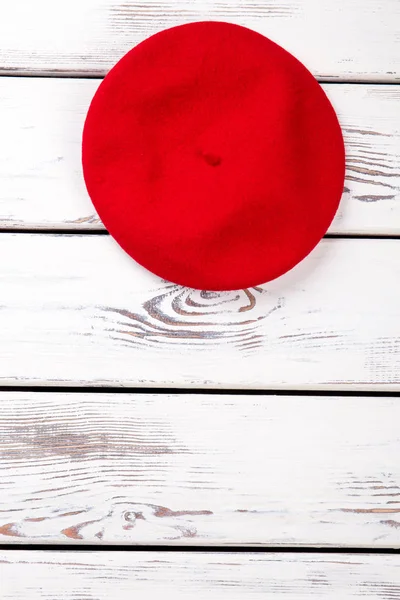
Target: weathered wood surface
<point x="209" y="576"/>
<point x="347" y="39"/>
<point x="199" y="469"/>
<point x="77" y="310"/>
<point x="40" y="165"/>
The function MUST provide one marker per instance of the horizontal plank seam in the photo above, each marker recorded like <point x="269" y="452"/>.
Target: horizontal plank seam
<point x="195" y="391"/>
<point x="101" y="74"/>
<point x="53" y="231"/>
<point x="361" y="236"/>
<point x="83" y="232"/>
<point x="197" y="549"/>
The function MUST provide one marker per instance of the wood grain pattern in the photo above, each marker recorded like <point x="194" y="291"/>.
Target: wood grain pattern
<point x="350" y="39"/>
<point x="77" y="310"/>
<point x="211" y="576"/>
<point x="199" y="469"/>
<point x="40" y="165"/>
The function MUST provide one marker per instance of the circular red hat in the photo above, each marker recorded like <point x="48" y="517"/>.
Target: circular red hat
<point x="213" y="156"/>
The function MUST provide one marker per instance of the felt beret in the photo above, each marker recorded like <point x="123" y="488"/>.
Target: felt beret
<point x="213" y="156"/>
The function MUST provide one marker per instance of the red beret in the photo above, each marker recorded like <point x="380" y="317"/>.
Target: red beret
<point x="213" y="156"/>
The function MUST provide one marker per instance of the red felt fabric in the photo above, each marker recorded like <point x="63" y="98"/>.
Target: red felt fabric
<point x="213" y="156"/>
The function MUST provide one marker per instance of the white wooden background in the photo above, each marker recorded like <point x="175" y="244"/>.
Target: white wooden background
<point x="96" y="465"/>
<point x="77" y="311"/>
<point x="200" y="469"/>
<point x="73" y="576"/>
<point x="355" y="40"/>
<point x="40" y="166"/>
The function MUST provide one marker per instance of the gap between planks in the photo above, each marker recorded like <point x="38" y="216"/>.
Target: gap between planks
<point x="199" y="549"/>
<point x="94" y="232"/>
<point x="65" y="389"/>
<point x="100" y="75"/>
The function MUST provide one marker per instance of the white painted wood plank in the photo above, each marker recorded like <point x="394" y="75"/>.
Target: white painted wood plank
<point x="209" y="576"/>
<point x="351" y="39"/>
<point x="41" y="183"/>
<point x="77" y="310"/>
<point x="199" y="469"/>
